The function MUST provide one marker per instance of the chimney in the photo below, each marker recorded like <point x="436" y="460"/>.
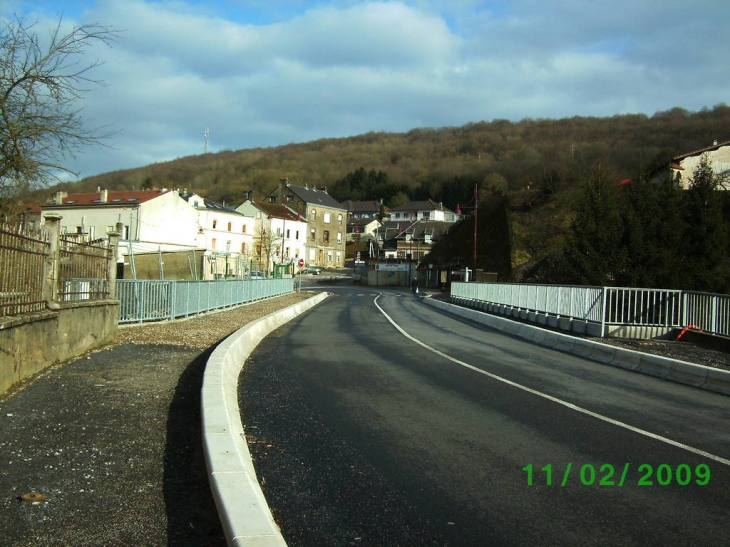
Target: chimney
<point x="58" y="197"/>
<point x="104" y="195"/>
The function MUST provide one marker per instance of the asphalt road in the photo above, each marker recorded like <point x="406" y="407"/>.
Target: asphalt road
<point x="376" y="420"/>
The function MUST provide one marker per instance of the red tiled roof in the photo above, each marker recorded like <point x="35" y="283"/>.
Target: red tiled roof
<point x="701" y="150"/>
<point x="113" y="198"/>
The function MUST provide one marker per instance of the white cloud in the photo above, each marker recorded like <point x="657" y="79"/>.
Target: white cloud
<point x="342" y="67"/>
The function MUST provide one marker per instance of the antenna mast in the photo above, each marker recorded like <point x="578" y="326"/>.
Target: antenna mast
<point x="207" y="134"/>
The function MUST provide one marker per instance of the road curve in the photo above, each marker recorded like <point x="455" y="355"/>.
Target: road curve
<point x="376" y="420"/>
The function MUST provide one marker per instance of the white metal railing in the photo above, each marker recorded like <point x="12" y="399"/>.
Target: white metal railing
<point x="709" y="312"/>
<point x="151" y="300"/>
<point x="608" y="305"/>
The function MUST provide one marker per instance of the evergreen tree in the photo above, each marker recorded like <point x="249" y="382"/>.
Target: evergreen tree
<point x="595" y="254"/>
<point x="652" y="235"/>
<point x="706" y="236"/>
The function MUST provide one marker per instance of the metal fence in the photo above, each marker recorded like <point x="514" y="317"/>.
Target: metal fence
<point x="82" y="271"/>
<point x="22" y="257"/>
<point x="709" y="312"/>
<point x="145" y="300"/>
<point x="40" y="269"/>
<point x="608" y="306"/>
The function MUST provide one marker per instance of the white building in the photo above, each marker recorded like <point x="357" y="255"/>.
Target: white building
<point x="683" y="167"/>
<point x="226" y="235"/>
<point x="164" y="234"/>
<point x="422" y="210"/>
<point x="280" y="235"/>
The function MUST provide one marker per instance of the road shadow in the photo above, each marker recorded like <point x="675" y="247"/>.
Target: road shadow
<point x="192" y="517"/>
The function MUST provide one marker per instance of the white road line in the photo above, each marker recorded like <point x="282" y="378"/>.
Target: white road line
<point x="554" y="399"/>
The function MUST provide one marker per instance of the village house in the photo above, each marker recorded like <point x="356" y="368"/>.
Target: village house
<point x="683" y="166"/>
<point x="426" y="210"/>
<point x="280" y="236"/>
<point x="165" y="234"/>
<point x="225" y="235"/>
<point x="326" y="222"/>
<point x="363" y="219"/>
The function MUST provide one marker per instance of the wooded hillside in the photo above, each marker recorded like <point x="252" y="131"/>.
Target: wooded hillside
<point x="537" y="167"/>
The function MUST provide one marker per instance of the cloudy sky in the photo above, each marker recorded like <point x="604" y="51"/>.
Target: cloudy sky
<point x="259" y="73"/>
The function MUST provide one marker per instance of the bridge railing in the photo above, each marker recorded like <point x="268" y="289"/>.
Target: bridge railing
<point x="153" y="300"/>
<point x="612" y="308"/>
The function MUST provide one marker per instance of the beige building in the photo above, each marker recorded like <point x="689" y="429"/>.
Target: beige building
<point x="326" y="222"/>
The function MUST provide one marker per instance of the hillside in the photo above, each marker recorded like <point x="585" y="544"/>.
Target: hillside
<point x="536" y="165"/>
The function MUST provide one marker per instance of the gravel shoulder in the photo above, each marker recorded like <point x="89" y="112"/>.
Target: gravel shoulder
<point x="112" y="441"/>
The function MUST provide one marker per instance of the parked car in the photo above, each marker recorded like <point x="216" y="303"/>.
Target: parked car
<point x="312" y="270"/>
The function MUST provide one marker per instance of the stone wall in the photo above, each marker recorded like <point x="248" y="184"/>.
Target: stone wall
<point x="30" y="343"/>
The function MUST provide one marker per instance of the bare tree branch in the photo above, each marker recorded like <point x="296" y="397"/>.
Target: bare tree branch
<point x="41" y="84"/>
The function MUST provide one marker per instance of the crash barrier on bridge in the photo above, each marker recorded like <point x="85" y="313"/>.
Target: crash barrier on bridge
<point x="708" y="378"/>
<point x="600" y="311"/>
<point x="242" y="508"/>
<point x="152" y="300"/>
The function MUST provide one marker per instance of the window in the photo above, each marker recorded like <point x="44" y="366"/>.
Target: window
<point x="92" y="232"/>
<point x="243" y="229"/>
<point x="243" y="248"/>
<point x="272" y="199"/>
<point x="127" y="233"/>
<point x="278" y="231"/>
<point x="326" y="236"/>
<point x="228" y="246"/>
<point x="288" y="234"/>
<point x="230" y="225"/>
<point x="313" y="234"/>
<point x="297" y="235"/>
<point x="327" y="218"/>
<point x="215" y="223"/>
<point x="397" y="215"/>
<point x="314" y="215"/>
<point x="339" y="220"/>
<point x="329" y="256"/>
<point x="339" y="237"/>
<point x="426" y="214"/>
<point x="339" y="257"/>
<point x="212" y="243"/>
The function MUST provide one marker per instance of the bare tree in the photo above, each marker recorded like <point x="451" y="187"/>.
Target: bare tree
<point x="42" y="82"/>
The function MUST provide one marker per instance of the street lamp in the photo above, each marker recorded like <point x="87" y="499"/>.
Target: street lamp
<point x="475" y="206"/>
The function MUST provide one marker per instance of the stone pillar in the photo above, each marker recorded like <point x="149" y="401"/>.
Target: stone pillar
<point x="50" y="266"/>
<point x="111" y="266"/>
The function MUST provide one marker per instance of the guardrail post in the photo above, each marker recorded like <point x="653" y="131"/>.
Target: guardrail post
<point x="603" y="312"/>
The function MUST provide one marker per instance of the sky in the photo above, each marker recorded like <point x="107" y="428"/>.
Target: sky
<point x="262" y="73"/>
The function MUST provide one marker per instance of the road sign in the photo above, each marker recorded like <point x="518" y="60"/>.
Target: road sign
<point x="301" y="263"/>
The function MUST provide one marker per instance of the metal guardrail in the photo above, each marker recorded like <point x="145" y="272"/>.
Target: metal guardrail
<point x="709" y="312"/>
<point x="608" y="306"/>
<point x="152" y="300"/>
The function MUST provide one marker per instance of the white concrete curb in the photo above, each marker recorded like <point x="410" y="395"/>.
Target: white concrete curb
<point x="242" y="508"/>
<point x="708" y="378"/>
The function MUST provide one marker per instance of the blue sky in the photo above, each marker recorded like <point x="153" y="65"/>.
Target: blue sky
<point x="261" y="73"/>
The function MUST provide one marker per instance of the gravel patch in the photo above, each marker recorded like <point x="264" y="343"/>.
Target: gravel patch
<point x="107" y="448"/>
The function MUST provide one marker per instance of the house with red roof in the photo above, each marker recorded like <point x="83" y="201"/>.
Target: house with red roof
<point x="682" y="167"/>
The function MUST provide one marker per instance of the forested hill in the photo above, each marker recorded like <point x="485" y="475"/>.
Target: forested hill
<point x="546" y="213"/>
<point x="426" y="162"/>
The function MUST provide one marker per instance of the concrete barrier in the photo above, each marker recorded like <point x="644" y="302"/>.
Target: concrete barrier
<point x="707" y="378"/>
<point x="242" y="508"/>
